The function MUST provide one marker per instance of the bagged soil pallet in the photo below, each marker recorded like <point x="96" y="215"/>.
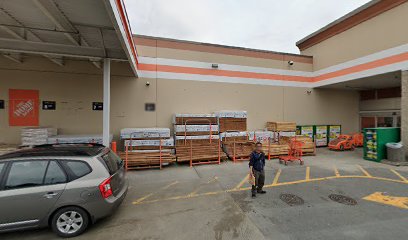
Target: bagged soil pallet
<point x="232" y="120"/>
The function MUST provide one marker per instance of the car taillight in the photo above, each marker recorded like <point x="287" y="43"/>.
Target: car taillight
<point x="105" y="188"/>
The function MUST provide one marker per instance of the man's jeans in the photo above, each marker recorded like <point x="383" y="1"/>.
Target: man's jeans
<point x="259" y="180"/>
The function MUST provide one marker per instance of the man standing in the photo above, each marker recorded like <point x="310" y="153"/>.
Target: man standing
<point x="256" y="169"/>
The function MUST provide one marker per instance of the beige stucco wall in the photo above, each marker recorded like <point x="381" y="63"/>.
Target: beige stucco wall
<point x="382" y="32"/>
<point x="75" y="92"/>
<point x="148" y="51"/>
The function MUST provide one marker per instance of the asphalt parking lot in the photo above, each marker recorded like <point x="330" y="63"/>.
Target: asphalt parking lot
<point x="213" y="202"/>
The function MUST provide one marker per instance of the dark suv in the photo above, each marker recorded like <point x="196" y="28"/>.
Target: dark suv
<point x="66" y="187"/>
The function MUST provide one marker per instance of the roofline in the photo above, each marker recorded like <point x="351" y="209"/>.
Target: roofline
<point x="368" y="11"/>
<point x="219" y="45"/>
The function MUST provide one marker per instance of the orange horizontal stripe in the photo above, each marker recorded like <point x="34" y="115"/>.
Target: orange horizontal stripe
<point x="224" y="73"/>
<point x="227" y="73"/>
<point x="365" y="66"/>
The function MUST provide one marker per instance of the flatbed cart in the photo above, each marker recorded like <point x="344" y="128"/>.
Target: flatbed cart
<point x="294" y="154"/>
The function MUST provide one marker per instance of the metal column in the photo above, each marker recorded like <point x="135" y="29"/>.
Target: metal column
<point x="106" y="101"/>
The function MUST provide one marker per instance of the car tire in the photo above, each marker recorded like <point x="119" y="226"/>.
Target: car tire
<point x="69" y="222"/>
<point x="352" y="147"/>
<point x="341" y="147"/>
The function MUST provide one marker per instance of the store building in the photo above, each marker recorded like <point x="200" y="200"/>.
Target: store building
<point x="351" y="72"/>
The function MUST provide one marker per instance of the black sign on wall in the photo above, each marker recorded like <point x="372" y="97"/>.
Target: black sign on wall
<point x="49" y="105"/>
<point x="150" y="107"/>
<point x="97" y="106"/>
<point x="1" y="104"/>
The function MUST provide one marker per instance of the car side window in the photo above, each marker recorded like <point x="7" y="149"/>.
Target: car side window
<point x="76" y="169"/>
<point x="55" y="174"/>
<point x="26" y="174"/>
<point x="1" y="169"/>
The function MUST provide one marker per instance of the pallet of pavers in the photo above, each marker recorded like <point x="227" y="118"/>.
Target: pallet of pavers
<point x="76" y="139"/>
<point x="147" y="148"/>
<point x="32" y="136"/>
<point x="232" y="120"/>
<point x="308" y="146"/>
<point x="281" y="126"/>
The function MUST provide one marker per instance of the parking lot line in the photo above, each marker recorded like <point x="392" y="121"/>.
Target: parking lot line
<point x="275" y="183"/>
<point x="276" y="178"/>
<point x="307" y="173"/>
<point x="151" y="194"/>
<point x="242" y="182"/>
<point x="399" y="175"/>
<point x="364" y="171"/>
<point x="199" y="187"/>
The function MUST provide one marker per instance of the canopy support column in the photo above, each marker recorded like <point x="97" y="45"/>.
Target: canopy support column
<point x="106" y="102"/>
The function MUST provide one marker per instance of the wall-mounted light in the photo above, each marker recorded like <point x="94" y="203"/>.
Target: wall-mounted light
<point x="309" y="92"/>
<point x="147" y="83"/>
<point x="290" y="63"/>
<point x="214" y="65"/>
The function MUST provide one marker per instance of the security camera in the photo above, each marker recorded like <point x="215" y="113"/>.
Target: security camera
<point x="147" y="84"/>
<point x="291" y="63"/>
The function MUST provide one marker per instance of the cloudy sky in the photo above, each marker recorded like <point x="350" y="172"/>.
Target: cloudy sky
<point x="263" y="24"/>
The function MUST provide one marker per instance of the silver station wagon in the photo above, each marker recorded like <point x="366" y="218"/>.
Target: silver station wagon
<point x="66" y="187"/>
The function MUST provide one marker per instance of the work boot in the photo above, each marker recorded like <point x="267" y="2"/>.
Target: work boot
<point x="261" y="191"/>
<point x="253" y="191"/>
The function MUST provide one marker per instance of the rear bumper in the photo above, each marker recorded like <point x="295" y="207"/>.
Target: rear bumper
<point x="108" y="206"/>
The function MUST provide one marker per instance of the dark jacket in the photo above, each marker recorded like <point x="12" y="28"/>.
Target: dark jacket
<point x="257" y="160"/>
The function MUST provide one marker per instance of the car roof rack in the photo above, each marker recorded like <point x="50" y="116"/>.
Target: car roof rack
<point x="69" y="144"/>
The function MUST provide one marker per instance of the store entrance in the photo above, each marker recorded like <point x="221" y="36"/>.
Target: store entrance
<point x="378" y="119"/>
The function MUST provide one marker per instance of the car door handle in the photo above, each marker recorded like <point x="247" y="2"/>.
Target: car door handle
<point x="50" y="195"/>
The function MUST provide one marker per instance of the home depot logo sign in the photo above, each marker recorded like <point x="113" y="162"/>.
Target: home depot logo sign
<point x="23" y="110"/>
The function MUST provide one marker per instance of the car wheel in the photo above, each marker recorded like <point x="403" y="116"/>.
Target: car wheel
<point x="341" y="147"/>
<point x="69" y="222"/>
<point x="352" y="147"/>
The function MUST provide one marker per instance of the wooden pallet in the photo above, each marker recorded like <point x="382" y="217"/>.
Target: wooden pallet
<point x="145" y="160"/>
<point x="281" y="126"/>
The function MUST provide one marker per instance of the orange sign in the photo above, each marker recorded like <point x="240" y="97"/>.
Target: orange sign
<point x="23" y="107"/>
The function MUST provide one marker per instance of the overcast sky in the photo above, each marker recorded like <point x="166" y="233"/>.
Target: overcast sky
<point x="263" y="24"/>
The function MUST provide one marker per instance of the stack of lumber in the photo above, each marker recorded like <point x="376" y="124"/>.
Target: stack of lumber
<point x="275" y="149"/>
<point x="200" y="152"/>
<point x="198" y="128"/>
<point x="7" y="148"/>
<point x="238" y="150"/>
<point x="281" y="126"/>
<point x="147" y="147"/>
<point x="32" y="136"/>
<point x="83" y="138"/>
<point x="308" y="146"/>
<point x="233" y="136"/>
<point x="144" y="160"/>
<point x="232" y="120"/>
